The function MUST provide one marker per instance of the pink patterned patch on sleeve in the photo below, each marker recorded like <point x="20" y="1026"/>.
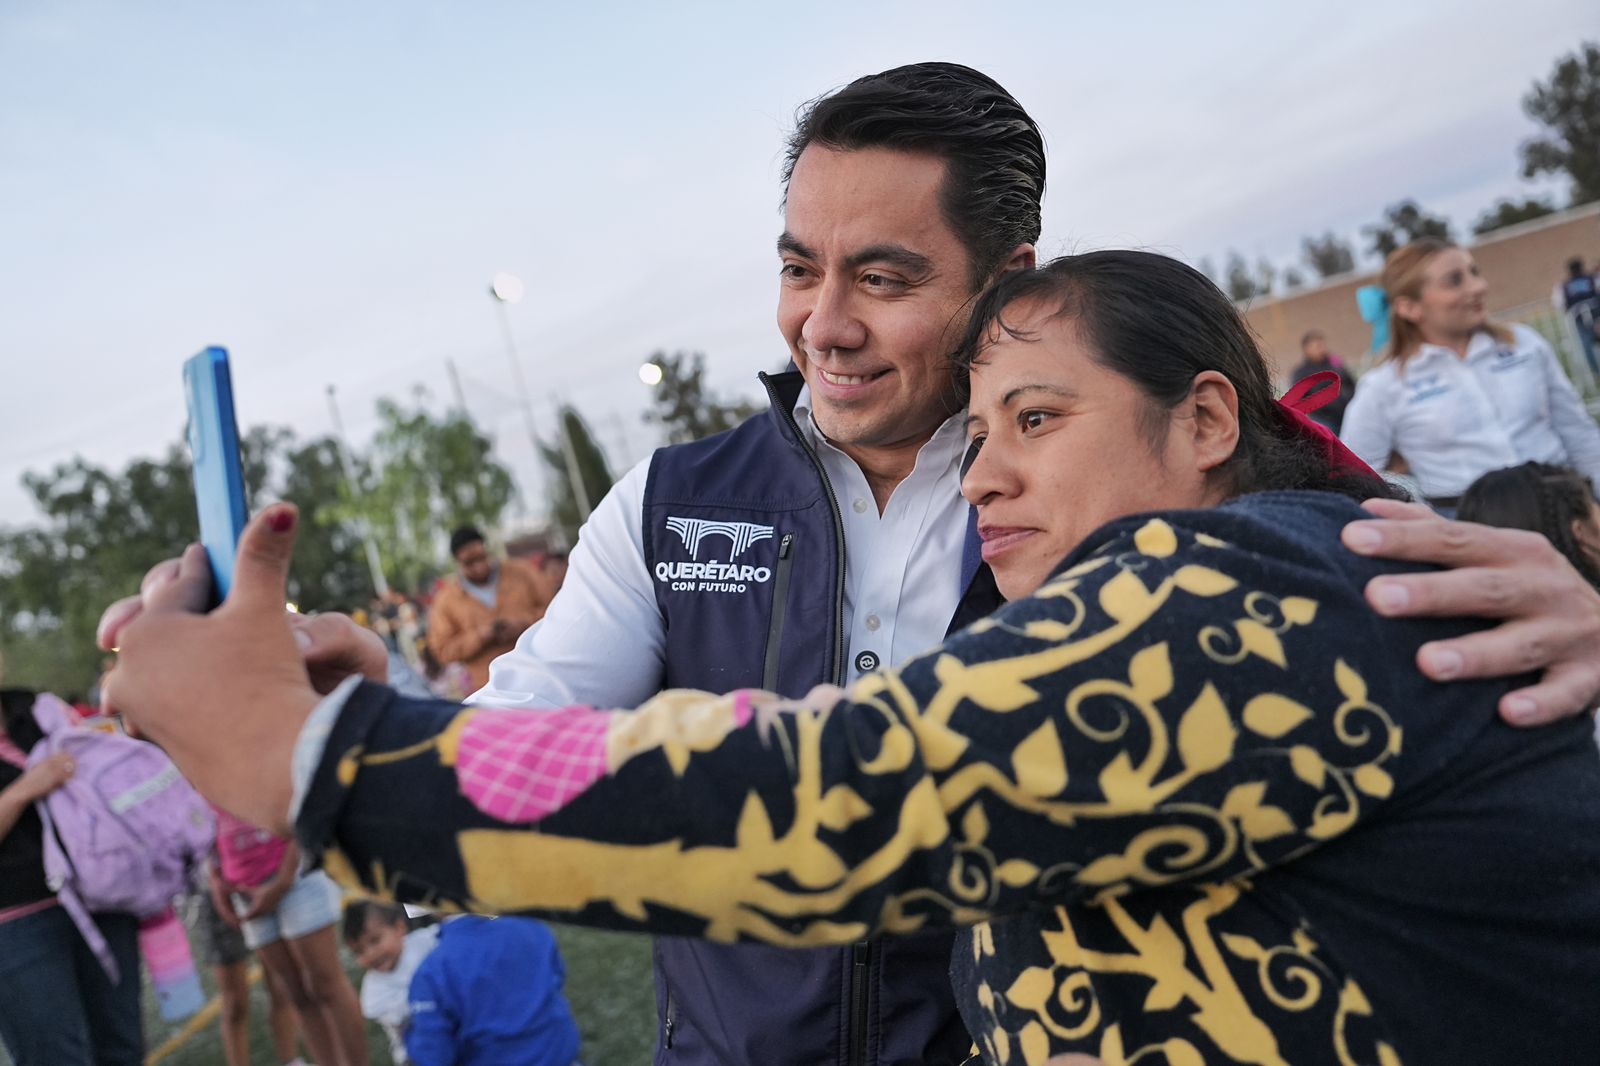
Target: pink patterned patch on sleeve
<point x="744" y="706"/>
<point x="519" y="766"/>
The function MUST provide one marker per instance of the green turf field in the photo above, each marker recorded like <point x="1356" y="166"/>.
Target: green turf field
<point x="608" y="983"/>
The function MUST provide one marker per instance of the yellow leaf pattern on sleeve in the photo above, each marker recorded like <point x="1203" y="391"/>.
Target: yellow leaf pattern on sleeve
<point x="1105" y="766"/>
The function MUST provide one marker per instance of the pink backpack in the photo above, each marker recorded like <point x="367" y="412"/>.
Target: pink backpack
<point x="125" y="831"/>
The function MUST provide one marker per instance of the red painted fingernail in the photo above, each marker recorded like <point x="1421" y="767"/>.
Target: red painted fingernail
<point x="282" y="521"/>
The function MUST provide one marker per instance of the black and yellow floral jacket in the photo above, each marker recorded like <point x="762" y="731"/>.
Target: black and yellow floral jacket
<point x="1192" y="797"/>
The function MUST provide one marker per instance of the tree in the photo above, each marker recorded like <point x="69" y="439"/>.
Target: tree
<point x="423" y="477"/>
<point x="103" y="529"/>
<point x="1328" y="255"/>
<point x="592" y="468"/>
<point x="1403" y="223"/>
<point x="329" y="571"/>
<point x="1242" y="284"/>
<point x="1509" y="213"/>
<point x="1569" y="106"/>
<point x="1293" y="279"/>
<point x="684" y="406"/>
<point x="1266" y="276"/>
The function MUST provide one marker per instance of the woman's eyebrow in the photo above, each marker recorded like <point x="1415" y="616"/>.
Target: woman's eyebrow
<point x="1029" y="390"/>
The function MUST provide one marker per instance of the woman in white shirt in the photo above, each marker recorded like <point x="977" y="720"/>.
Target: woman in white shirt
<point x="1458" y="395"/>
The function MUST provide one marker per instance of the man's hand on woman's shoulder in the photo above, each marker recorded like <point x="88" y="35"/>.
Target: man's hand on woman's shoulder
<point x="1549" y="615"/>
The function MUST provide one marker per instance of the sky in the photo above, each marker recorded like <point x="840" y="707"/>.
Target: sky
<point x="326" y="189"/>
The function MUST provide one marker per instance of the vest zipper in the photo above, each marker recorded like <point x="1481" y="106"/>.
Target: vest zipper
<point x="780" y="609"/>
<point x="667" y="1024"/>
<point x="860" y="970"/>
<point x="838" y="530"/>
<point x="860" y="953"/>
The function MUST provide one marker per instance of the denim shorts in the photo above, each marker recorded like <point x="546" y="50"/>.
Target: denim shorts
<point x="313" y="903"/>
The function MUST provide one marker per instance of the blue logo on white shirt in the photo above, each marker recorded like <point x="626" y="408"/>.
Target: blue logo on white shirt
<point x="1507" y="359"/>
<point x="1425" y="387"/>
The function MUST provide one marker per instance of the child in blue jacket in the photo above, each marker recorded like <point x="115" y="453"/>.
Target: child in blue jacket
<point x="490" y="994"/>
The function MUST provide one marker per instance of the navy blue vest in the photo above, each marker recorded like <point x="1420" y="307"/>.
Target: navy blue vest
<point x="746" y="548"/>
<point x="1578" y="291"/>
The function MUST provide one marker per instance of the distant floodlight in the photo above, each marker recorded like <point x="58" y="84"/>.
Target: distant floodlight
<point x="650" y="373"/>
<point x="506" y="287"/>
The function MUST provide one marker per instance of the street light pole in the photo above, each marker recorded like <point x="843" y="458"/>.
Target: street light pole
<point x="507" y="289"/>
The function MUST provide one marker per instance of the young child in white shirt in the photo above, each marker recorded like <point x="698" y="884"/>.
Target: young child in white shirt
<point x="383" y="941"/>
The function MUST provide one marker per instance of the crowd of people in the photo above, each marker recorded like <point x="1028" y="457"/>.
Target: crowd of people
<point x="255" y="900"/>
<point x="444" y="640"/>
<point x="1027" y="685"/>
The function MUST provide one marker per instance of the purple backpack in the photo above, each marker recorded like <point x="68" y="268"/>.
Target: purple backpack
<point x="125" y="831"/>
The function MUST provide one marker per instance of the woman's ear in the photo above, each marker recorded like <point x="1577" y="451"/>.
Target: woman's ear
<point x="1216" y="420"/>
<point x="1407" y="308"/>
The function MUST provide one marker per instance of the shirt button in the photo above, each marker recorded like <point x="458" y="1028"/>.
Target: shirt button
<point x="866" y="662"/>
<point x="873" y="622"/>
<point x="859" y="506"/>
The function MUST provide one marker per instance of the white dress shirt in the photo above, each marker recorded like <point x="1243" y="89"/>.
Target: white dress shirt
<point x="1455" y="419"/>
<point x="902" y="575"/>
<point x="600" y="642"/>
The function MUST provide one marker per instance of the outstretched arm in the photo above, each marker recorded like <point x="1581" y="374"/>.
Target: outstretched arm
<point x="1175" y="707"/>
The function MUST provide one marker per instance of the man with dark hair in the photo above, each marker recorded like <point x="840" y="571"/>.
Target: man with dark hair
<point x="464" y="536"/>
<point x="993" y="153"/>
<point x="480" y="614"/>
<point x="722" y="563"/>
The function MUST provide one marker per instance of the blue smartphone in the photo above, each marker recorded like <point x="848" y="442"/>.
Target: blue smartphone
<point x="218" y="470"/>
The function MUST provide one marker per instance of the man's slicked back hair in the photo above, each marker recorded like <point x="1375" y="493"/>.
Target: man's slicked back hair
<point x="995" y="153"/>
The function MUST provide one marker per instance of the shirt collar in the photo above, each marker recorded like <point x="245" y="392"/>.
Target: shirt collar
<point x="944" y="448"/>
<point x="1481" y="342"/>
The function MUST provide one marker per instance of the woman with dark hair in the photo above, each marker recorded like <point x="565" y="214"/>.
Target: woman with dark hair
<point x="1457" y="394"/>
<point x="1553" y="500"/>
<point x="1187" y="790"/>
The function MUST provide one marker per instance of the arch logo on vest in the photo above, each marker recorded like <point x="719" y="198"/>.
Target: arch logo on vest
<point x="714" y="574"/>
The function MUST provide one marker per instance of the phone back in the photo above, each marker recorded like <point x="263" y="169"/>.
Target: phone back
<point x="218" y="472"/>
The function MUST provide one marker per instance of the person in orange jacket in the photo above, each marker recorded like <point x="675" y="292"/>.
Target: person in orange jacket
<point x="481" y="613"/>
